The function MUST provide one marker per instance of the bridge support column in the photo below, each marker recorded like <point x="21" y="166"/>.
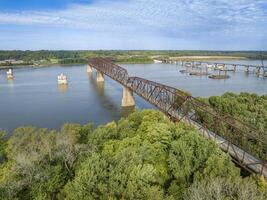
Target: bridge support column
<point x="10" y="74"/>
<point x="127" y="98"/>
<point x="99" y="76"/>
<point x="89" y="69"/>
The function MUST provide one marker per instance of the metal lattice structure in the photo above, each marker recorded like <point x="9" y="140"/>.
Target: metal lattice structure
<point x="246" y="145"/>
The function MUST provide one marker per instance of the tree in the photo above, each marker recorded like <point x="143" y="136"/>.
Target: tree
<point x="2" y="146"/>
<point x="90" y="181"/>
<point x="222" y="188"/>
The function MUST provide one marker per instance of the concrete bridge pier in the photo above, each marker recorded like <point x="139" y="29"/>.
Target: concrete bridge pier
<point x="89" y="69"/>
<point x="100" y="76"/>
<point x="127" y="98"/>
<point x="9" y="74"/>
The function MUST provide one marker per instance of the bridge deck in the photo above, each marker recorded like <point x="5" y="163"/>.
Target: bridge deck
<point x="231" y="64"/>
<point x="232" y="136"/>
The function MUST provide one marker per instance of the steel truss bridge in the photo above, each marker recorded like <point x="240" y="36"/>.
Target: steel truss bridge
<point x="246" y="145"/>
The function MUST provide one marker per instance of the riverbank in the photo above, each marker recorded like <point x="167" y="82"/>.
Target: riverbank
<point x="39" y="66"/>
<point x="148" y="61"/>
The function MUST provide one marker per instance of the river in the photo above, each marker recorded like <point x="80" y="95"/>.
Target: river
<point x="34" y="98"/>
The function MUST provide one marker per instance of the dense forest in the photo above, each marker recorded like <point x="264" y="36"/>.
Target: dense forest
<point x="144" y="156"/>
<point x="250" y="108"/>
<point x="134" y="56"/>
<point x="239" y="118"/>
<point x="248" y="113"/>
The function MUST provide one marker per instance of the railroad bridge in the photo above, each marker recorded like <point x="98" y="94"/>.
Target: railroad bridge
<point x="246" y="145"/>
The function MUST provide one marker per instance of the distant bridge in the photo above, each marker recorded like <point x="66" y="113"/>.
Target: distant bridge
<point x="257" y="69"/>
<point x="232" y="136"/>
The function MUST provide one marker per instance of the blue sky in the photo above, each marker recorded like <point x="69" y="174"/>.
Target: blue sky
<point x="133" y="24"/>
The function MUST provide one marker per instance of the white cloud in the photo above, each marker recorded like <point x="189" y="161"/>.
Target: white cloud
<point x="151" y="13"/>
<point x="165" y="18"/>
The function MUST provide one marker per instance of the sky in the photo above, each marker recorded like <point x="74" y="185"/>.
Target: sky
<point x="133" y="24"/>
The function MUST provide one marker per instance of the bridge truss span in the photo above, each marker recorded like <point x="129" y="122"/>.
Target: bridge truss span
<point x="110" y="69"/>
<point x="246" y="145"/>
<point x="161" y="96"/>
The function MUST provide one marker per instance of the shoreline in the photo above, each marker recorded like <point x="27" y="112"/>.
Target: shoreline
<point x="38" y="66"/>
<point x="191" y="58"/>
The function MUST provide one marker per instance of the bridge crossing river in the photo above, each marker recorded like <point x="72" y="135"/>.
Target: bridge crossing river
<point x="232" y="135"/>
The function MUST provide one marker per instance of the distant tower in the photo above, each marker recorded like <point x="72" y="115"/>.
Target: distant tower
<point x="10" y="74"/>
<point x="62" y="79"/>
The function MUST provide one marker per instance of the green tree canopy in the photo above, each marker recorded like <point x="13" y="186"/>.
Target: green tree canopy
<point x="144" y="156"/>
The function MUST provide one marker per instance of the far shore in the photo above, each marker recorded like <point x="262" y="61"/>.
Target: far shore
<point x="210" y="58"/>
<point x="39" y="66"/>
<point x="191" y="58"/>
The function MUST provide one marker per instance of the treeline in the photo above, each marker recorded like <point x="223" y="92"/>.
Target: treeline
<point x="16" y="64"/>
<point x="119" y="54"/>
<point x="142" y="157"/>
<point x="73" y="61"/>
<point x="134" y="59"/>
<point x="38" y="55"/>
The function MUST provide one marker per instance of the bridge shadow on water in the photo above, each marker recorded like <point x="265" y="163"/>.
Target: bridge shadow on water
<point x="105" y="100"/>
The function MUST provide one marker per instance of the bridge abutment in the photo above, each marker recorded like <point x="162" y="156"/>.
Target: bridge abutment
<point x="100" y="76"/>
<point x="127" y="98"/>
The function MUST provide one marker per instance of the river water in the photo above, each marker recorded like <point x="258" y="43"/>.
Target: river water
<point x="34" y="98"/>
